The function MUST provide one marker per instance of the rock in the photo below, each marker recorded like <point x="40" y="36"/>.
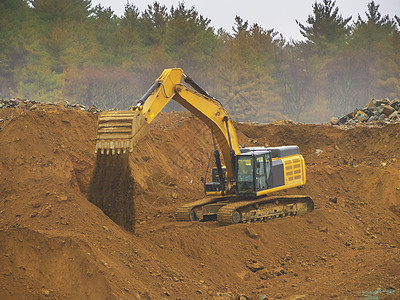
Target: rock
<point x="361" y="116"/>
<point x="251" y="233"/>
<point x="45" y="292"/>
<point x="343" y="120"/>
<point x="297" y="297"/>
<point x="334" y="121"/>
<point x="36" y="204"/>
<point x="46" y="212"/>
<point x="395" y="104"/>
<point x="106" y="264"/>
<point x="323" y="229"/>
<point x="382" y="102"/>
<point x="375" y="111"/>
<point x="62" y="198"/>
<point x="307" y="278"/>
<point x="243" y="275"/>
<point x="388" y="110"/>
<point x="372" y="103"/>
<point x="394" y="116"/>
<point x="33" y="107"/>
<point x="263" y="274"/>
<point x="255" y="266"/>
<point x="279" y="272"/>
<point x="333" y="199"/>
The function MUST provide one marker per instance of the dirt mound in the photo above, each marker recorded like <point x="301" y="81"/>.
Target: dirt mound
<point x="57" y="244"/>
<point x="48" y="267"/>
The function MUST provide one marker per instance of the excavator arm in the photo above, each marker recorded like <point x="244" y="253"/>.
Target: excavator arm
<point x="118" y="132"/>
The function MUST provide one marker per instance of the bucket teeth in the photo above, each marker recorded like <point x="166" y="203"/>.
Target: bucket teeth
<point x="117" y="131"/>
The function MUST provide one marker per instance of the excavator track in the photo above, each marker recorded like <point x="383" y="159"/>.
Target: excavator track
<point x="189" y="212"/>
<point x="227" y="212"/>
<point x="264" y="209"/>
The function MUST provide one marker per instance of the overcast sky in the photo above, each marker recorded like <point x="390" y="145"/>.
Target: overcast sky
<point x="270" y="14"/>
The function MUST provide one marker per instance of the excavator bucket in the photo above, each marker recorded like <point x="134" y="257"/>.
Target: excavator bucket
<point x="119" y="131"/>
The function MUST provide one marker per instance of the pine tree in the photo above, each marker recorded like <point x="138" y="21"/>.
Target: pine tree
<point x="244" y="64"/>
<point x="327" y="29"/>
<point x="189" y="39"/>
<point x="371" y="44"/>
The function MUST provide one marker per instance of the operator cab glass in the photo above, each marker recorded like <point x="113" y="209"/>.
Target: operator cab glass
<point x="253" y="172"/>
<point x="245" y="174"/>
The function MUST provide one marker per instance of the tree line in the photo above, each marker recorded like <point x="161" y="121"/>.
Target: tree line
<point x="68" y="50"/>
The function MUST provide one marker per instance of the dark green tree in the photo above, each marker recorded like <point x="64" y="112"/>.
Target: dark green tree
<point x="155" y="19"/>
<point x="131" y="36"/>
<point x="18" y="38"/>
<point x="104" y="25"/>
<point x="243" y="68"/>
<point x="189" y="39"/>
<point x="371" y="46"/>
<point x="326" y="29"/>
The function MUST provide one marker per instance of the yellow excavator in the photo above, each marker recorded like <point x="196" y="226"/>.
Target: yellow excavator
<point x="238" y="191"/>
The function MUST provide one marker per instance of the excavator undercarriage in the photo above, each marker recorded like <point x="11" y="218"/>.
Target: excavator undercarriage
<point x="231" y="211"/>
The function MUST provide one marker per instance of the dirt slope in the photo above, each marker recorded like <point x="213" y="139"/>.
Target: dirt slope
<point x="55" y="244"/>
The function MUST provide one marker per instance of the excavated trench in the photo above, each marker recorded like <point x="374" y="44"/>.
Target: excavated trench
<point x="112" y="189"/>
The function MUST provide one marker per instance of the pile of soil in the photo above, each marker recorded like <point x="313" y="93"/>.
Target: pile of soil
<point x="56" y="244"/>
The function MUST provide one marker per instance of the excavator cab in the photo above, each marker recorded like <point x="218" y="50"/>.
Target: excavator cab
<point x="253" y="172"/>
<point x="260" y="171"/>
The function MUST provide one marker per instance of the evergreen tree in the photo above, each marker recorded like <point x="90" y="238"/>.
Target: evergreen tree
<point x="130" y="37"/>
<point x="18" y="39"/>
<point x="190" y="41"/>
<point x="327" y="29"/>
<point x="371" y="44"/>
<point x="104" y="26"/>
<point x="244" y="64"/>
<point x="155" y="19"/>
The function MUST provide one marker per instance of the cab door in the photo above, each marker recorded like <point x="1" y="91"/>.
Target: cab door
<point x="260" y="174"/>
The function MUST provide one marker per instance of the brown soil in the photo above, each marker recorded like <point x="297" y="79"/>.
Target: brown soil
<point x="56" y="244"/>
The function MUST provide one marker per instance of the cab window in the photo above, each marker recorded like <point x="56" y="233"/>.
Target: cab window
<point x="245" y="174"/>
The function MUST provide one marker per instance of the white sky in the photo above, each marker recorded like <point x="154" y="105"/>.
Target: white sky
<point x="279" y="15"/>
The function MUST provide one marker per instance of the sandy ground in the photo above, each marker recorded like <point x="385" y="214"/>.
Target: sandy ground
<point x="56" y="244"/>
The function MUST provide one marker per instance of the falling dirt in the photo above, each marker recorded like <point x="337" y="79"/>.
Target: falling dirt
<point x="56" y="244"/>
<point x="112" y="189"/>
